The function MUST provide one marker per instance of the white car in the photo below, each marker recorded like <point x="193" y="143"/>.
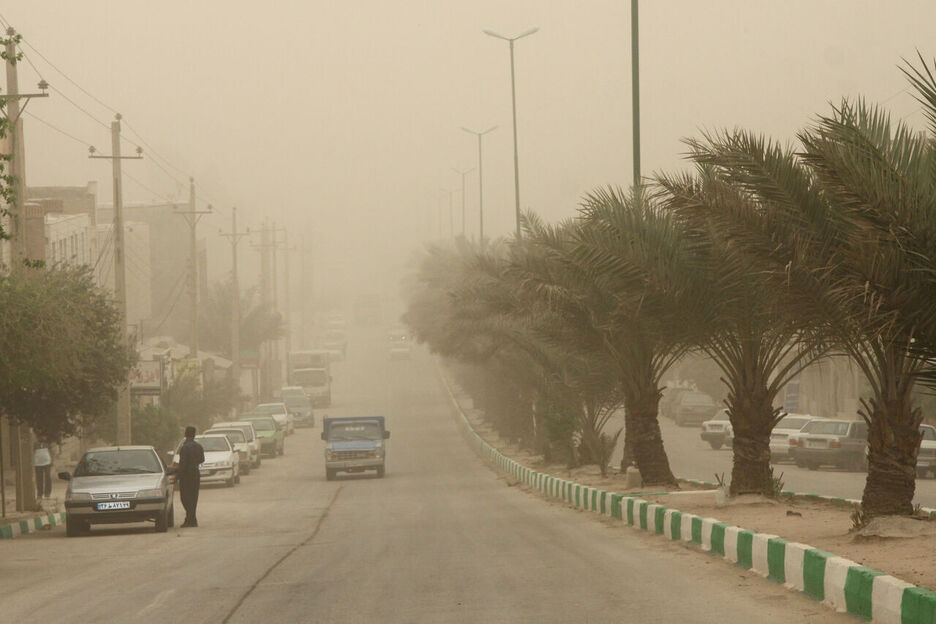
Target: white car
<point x="718" y="431"/>
<point x="926" y="458"/>
<point x="280" y="413"/>
<point x="399" y="345"/>
<point x="780" y="436"/>
<point x="250" y="443"/>
<point x="222" y="461"/>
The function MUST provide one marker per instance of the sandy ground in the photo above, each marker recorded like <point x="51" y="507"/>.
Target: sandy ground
<point x="827" y="526"/>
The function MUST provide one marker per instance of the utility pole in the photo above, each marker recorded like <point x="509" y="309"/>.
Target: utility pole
<point x="267" y="297"/>
<point x="288" y="291"/>
<point x="635" y="90"/>
<point x="235" y="237"/>
<point x="120" y="270"/>
<point x="463" y="174"/>
<point x="192" y="217"/>
<point x="21" y="435"/>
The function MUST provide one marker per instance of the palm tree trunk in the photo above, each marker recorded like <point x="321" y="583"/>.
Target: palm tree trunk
<point x="643" y="434"/>
<point x="893" y="444"/>
<point x="752" y="417"/>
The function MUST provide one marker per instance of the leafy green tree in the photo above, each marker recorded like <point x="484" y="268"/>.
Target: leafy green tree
<point x="201" y="407"/>
<point x="61" y="353"/>
<point x="259" y="322"/>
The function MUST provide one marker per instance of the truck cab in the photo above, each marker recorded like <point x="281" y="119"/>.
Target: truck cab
<point x="354" y="445"/>
<point x="316" y="382"/>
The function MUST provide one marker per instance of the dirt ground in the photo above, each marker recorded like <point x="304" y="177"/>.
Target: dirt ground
<point x="823" y="525"/>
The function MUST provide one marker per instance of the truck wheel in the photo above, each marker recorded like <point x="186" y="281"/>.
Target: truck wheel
<point x="74" y="528"/>
<point x="245" y="469"/>
<point x="162" y="521"/>
<point x="715" y="445"/>
<point x="380" y="472"/>
<point x="330" y="474"/>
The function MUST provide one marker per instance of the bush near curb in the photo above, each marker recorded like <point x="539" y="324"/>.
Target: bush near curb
<point x="835" y="581"/>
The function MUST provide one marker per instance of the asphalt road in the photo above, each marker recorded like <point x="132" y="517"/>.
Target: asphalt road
<point x="441" y="539"/>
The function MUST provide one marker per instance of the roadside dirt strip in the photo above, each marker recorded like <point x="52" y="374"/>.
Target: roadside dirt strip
<point x="30" y="525"/>
<point x="837" y="582"/>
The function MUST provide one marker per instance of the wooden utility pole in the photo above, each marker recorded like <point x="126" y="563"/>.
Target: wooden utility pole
<point x="120" y="270"/>
<point x="266" y="384"/>
<point x="235" y="237"/>
<point x="192" y="217"/>
<point x="21" y="436"/>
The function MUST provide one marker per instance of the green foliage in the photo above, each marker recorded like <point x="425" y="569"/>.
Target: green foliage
<point x="201" y="407"/>
<point x="152" y="424"/>
<point x="259" y="323"/>
<point x="7" y="181"/>
<point x="61" y="353"/>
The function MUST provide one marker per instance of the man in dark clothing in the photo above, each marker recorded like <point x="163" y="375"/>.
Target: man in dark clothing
<point x="191" y="456"/>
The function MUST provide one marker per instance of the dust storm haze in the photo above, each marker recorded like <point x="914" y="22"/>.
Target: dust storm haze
<point x="341" y="120"/>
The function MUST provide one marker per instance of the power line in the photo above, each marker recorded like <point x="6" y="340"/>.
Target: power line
<point x="57" y="129"/>
<point x="80" y="108"/>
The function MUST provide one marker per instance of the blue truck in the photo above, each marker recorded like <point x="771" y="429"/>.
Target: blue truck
<point x="355" y="445"/>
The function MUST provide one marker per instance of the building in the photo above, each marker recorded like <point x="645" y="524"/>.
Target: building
<point x="66" y="200"/>
<point x="69" y="239"/>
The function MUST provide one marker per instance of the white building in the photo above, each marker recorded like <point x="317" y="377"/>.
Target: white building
<point x="69" y="239"/>
<point x="137" y="254"/>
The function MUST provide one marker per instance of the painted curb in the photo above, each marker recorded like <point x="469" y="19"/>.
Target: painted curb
<point x="31" y="525"/>
<point x="838" y="583"/>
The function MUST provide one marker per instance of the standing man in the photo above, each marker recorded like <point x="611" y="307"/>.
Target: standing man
<point x="191" y="456"/>
<point x="42" y="461"/>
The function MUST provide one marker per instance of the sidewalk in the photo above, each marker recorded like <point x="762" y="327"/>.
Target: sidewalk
<point x="51" y="512"/>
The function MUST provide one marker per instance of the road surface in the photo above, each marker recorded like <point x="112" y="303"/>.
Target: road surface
<point x="441" y="539"/>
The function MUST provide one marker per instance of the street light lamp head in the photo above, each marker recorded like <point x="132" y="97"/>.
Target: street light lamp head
<point x="491" y="33"/>
<point x="528" y="31"/>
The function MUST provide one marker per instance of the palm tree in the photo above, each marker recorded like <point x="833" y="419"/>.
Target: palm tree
<point x="836" y="219"/>
<point x="743" y="325"/>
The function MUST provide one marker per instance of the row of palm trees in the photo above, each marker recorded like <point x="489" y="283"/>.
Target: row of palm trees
<point x="764" y="257"/>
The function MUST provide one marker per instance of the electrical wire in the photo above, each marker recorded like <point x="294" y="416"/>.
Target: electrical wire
<point x="57" y="129"/>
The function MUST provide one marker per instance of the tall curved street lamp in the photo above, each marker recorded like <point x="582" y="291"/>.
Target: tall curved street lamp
<point x="480" y="181"/>
<point x="513" y="95"/>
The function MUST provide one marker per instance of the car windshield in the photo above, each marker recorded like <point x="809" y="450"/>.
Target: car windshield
<point x="829" y="427"/>
<point x="928" y="433"/>
<point x="792" y="422"/>
<point x="214" y="443"/>
<point x="263" y="424"/>
<point x="118" y="461"/>
<point x="234" y="435"/>
<point x="696" y="398"/>
<point x="343" y="432"/>
<point x="311" y="377"/>
<point x="271" y="408"/>
<point x="297" y="401"/>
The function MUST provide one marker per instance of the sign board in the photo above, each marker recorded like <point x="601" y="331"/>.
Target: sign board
<point x="146" y="377"/>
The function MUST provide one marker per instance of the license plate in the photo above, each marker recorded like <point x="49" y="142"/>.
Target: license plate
<point x="815" y="444"/>
<point x="113" y="505"/>
<point x="923" y="463"/>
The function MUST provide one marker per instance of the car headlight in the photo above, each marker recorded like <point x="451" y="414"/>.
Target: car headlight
<point x="78" y="496"/>
<point x="155" y="493"/>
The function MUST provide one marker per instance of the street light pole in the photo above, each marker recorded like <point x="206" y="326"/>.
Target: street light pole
<point x="513" y="97"/>
<point x="480" y="182"/>
<point x="635" y="91"/>
<point x="463" y="174"/>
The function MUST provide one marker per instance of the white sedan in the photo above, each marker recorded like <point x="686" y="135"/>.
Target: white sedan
<point x="222" y="461"/>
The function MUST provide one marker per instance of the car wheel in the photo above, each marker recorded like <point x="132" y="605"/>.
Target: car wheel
<point x="282" y="450"/>
<point x="162" y="521"/>
<point x="259" y="459"/>
<point x="246" y="469"/>
<point x="330" y="474"/>
<point x="229" y="482"/>
<point x="172" y="516"/>
<point x="812" y="465"/>
<point x="237" y="476"/>
<point x="715" y="445"/>
<point x="380" y="472"/>
<point x="74" y="528"/>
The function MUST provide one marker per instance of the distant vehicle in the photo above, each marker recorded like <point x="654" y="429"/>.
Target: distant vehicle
<point x="272" y="438"/>
<point x="824" y="441"/>
<point x="280" y="414"/>
<point x="316" y="382"/>
<point x="718" y="431"/>
<point x="222" y="461"/>
<point x="926" y="458"/>
<point x="238" y="440"/>
<point x="399" y="345"/>
<point x="253" y="444"/>
<point x="669" y="400"/>
<point x="117" y="485"/>
<point x="299" y="405"/>
<point x="694" y="407"/>
<point x="313" y="358"/>
<point x="335" y="341"/>
<point x="354" y="445"/>
<point x="780" y="436"/>
<point x="367" y="309"/>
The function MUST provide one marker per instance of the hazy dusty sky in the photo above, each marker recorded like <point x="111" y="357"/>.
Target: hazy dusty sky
<point x="343" y="117"/>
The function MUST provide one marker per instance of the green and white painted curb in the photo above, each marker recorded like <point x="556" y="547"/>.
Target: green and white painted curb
<point x="31" y="525"/>
<point x="838" y="583"/>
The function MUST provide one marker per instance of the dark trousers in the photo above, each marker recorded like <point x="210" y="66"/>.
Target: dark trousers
<point x="188" y="492"/>
<point x="43" y="481"/>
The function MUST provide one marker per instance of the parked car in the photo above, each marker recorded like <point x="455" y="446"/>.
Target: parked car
<point x="399" y="345"/>
<point x="780" y="435"/>
<point x="222" y="461"/>
<point x="316" y="383"/>
<point x="250" y="437"/>
<point x="299" y="405"/>
<point x="825" y="441"/>
<point x="116" y="485"/>
<point x="926" y="458"/>
<point x="718" y="432"/>
<point x="280" y="414"/>
<point x="694" y="407"/>
<point x="272" y="437"/>
<point x="669" y="400"/>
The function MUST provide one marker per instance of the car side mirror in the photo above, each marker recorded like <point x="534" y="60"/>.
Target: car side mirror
<point x="64" y="476"/>
<point x="386" y="435"/>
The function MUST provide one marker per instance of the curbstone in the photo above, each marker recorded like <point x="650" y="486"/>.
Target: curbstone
<point x="31" y="525"/>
